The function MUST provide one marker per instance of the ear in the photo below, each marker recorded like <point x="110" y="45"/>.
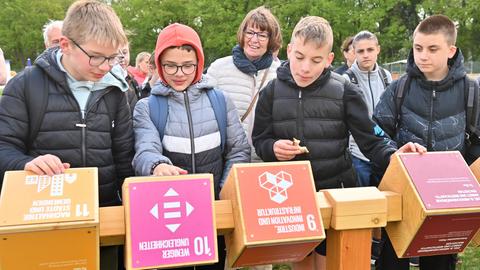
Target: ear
<point x="289" y="50"/>
<point x="379" y="49"/>
<point x="330" y="58"/>
<point x="65" y="45"/>
<point x="451" y="51"/>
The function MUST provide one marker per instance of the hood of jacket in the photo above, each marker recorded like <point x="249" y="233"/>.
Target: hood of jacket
<point x="176" y="35"/>
<point x="162" y="89"/>
<point x="456" y="71"/>
<point x="284" y="74"/>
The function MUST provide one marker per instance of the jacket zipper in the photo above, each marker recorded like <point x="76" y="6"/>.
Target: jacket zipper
<point x="429" y="134"/>
<point x="371" y="92"/>
<point x="83" y="126"/>
<point x="190" y="128"/>
<point x="300" y="117"/>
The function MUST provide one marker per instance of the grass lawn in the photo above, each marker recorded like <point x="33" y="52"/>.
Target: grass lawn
<point x="470" y="260"/>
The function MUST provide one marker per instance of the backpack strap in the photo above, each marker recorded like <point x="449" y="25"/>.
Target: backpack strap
<point x="402" y="83"/>
<point x="158" y="106"/>
<point x="36" y="100"/>
<point x="217" y="100"/>
<point x="383" y="73"/>
<point x="351" y="75"/>
<point x="471" y="87"/>
<point x="159" y="112"/>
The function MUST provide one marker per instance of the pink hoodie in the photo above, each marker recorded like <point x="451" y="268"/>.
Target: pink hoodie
<point x="176" y="35"/>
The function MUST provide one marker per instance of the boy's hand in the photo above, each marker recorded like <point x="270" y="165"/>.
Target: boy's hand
<point x="46" y="164"/>
<point x="411" y="147"/>
<point x="165" y="169"/>
<point x="286" y="150"/>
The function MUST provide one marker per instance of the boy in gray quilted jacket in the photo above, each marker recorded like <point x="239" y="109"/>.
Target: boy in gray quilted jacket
<point x="191" y="141"/>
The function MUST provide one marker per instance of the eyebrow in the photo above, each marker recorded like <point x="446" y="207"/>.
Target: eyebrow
<point x="173" y="62"/>
<point x="261" y="31"/>
<point x="430" y="47"/>
<point x="95" y="53"/>
<point x="301" y="54"/>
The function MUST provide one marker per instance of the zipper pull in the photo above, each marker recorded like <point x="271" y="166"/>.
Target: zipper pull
<point x="82" y="124"/>
<point x="300" y="94"/>
<point x="434" y="94"/>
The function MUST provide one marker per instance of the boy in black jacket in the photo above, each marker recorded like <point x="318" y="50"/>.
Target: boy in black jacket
<point x="85" y="120"/>
<point x="432" y="112"/>
<point x="309" y="102"/>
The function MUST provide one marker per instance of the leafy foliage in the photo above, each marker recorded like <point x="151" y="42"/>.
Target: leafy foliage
<point x="217" y="22"/>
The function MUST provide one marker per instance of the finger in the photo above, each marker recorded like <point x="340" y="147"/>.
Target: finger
<point x="66" y="166"/>
<point x="420" y="148"/>
<point x="33" y="168"/>
<point x="180" y="170"/>
<point x="43" y="166"/>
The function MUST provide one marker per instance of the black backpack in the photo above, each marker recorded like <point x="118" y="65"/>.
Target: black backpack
<point x="383" y="73"/>
<point x="36" y="101"/>
<point x="471" y="102"/>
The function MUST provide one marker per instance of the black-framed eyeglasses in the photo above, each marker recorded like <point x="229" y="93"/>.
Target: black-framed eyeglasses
<point x="171" y="69"/>
<point x="96" y="61"/>
<point x="261" y="36"/>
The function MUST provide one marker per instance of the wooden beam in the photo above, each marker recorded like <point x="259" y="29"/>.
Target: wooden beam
<point x="349" y="249"/>
<point x="112" y="219"/>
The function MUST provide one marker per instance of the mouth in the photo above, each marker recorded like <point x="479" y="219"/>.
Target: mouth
<point x="98" y="75"/>
<point x="179" y="82"/>
<point x="253" y="47"/>
<point x="303" y="78"/>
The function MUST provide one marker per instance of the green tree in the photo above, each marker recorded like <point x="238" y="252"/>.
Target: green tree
<point x="22" y="22"/>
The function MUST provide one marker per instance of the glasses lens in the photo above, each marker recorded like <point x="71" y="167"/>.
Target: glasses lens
<point x="262" y="37"/>
<point x="97" y="60"/>
<point x="188" y="69"/>
<point x="115" y="60"/>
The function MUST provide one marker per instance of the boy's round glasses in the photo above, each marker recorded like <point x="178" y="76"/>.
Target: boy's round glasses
<point x="96" y="61"/>
<point x="187" y="69"/>
<point x="260" y="35"/>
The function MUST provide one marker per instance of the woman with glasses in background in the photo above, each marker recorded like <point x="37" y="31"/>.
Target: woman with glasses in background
<point x="251" y="65"/>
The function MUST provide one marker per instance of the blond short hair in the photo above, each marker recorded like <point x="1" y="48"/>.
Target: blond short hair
<point x="92" y="20"/>
<point x="314" y="29"/>
<point x="140" y="58"/>
<point x="262" y="18"/>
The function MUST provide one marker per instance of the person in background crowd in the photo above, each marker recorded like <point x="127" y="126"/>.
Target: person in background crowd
<point x="251" y="65"/>
<point x="52" y="31"/>
<point x="133" y="88"/>
<point x="140" y="71"/>
<point x="153" y="78"/>
<point x="372" y="81"/>
<point x="348" y="55"/>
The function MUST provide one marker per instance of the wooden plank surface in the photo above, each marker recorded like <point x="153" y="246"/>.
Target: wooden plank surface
<point x="112" y="219"/>
<point x="349" y="249"/>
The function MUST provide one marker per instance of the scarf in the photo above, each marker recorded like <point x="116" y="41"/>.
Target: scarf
<point x="250" y="67"/>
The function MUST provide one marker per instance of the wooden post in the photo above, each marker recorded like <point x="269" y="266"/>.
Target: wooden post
<point x="349" y="249"/>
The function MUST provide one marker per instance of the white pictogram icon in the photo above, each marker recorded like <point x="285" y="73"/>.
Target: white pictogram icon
<point x="276" y="184"/>
<point x="56" y="182"/>
<point x="172" y="210"/>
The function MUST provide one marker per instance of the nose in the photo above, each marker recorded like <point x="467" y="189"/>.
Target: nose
<point x="105" y="66"/>
<point x="305" y="67"/>
<point x="255" y="37"/>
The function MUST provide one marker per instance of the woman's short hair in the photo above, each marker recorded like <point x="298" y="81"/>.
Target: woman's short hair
<point x="262" y="18"/>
